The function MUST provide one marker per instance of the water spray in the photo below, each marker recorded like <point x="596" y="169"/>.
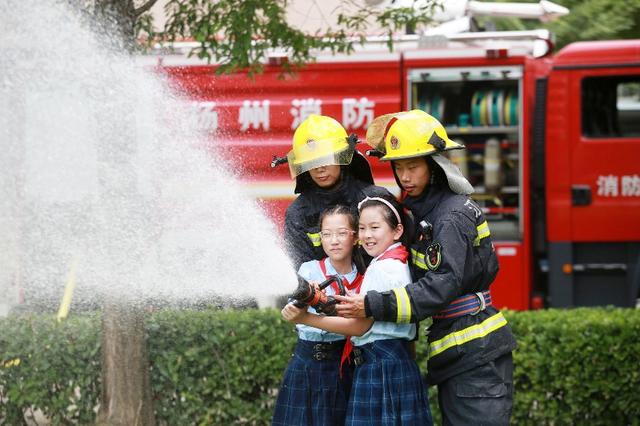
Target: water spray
<point x="103" y="156"/>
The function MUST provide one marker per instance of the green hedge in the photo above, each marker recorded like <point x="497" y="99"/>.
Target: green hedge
<point x="219" y="367"/>
<point x="43" y="365"/>
<point x="578" y="366"/>
<point x="224" y="367"/>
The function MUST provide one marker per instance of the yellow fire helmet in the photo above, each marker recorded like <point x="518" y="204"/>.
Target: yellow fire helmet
<point x="408" y="134"/>
<point x="319" y="141"/>
<point x="412" y="134"/>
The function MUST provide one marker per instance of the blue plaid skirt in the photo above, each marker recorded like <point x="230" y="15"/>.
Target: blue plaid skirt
<point x="387" y="388"/>
<point x="312" y="392"/>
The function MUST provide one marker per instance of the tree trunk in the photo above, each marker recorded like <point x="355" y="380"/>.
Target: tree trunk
<point x="118" y="19"/>
<point x="126" y="391"/>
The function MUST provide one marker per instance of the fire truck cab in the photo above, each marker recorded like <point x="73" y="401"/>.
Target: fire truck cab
<point x="590" y="209"/>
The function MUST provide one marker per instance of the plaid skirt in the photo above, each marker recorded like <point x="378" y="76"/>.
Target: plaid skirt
<point x="312" y="392"/>
<point x="387" y="388"/>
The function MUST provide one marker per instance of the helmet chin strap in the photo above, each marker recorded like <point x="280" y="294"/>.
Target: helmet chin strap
<point x="433" y="170"/>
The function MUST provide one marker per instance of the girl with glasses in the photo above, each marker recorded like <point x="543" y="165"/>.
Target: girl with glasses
<point x="316" y="385"/>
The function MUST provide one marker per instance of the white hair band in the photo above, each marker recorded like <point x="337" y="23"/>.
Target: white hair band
<point x="383" y="201"/>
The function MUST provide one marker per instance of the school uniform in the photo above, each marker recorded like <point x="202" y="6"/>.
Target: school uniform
<point x="387" y="385"/>
<point x="315" y="388"/>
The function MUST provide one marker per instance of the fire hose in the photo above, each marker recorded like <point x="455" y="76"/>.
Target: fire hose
<point x="308" y="294"/>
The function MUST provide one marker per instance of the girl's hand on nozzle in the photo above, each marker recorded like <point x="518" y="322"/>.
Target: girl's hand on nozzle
<point x="292" y="313"/>
<point x="316" y="286"/>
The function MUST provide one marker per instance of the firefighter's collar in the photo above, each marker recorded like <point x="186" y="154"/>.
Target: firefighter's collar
<point x="424" y="203"/>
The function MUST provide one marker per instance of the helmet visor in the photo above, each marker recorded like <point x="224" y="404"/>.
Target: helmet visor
<point x="318" y="154"/>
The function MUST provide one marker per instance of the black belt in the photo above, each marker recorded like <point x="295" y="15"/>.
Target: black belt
<point x="320" y="351"/>
<point x="377" y="348"/>
<point x="326" y="351"/>
<point x="358" y="356"/>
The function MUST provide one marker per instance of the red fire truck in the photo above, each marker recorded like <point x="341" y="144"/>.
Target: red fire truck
<point x="553" y="143"/>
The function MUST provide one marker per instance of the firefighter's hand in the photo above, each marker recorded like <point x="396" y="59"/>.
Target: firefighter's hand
<point x="293" y="314"/>
<point x="351" y="306"/>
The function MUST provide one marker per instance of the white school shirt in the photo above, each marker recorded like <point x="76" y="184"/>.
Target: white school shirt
<point x="384" y="275"/>
<point x="311" y="271"/>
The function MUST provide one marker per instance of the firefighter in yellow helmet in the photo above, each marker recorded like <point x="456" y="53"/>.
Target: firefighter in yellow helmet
<point x="454" y="264"/>
<point x="328" y="171"/>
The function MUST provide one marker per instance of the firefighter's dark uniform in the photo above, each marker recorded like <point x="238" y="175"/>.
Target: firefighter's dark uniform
<point x="470" y="356"/>
<point x="301" y="227"/>
<point x="469" y="340"/>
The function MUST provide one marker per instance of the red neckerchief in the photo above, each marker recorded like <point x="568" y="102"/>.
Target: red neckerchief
<point x="355" y="286"/>
<point x="399" y="253"/>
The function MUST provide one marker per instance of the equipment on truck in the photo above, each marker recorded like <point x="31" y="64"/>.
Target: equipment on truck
<point x="492" y="165"/>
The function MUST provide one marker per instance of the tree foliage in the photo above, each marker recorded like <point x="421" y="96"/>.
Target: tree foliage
<point x="587" y="20"/>
<point x="597" y="20"/>
<point x="240" y="34"/>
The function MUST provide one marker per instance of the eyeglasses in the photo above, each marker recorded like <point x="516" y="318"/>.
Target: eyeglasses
<point x="341" y="234"/>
